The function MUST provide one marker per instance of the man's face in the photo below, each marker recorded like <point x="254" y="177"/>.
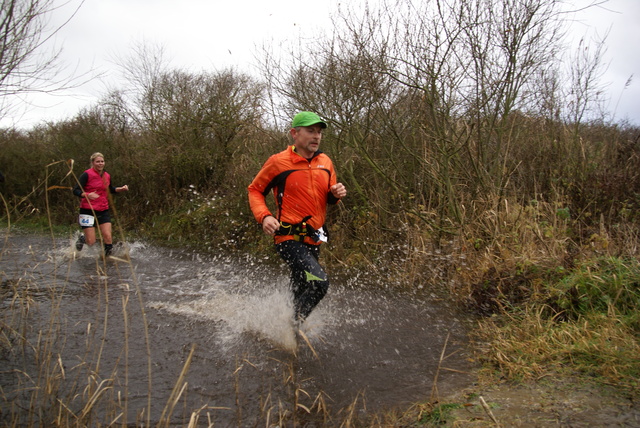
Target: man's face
<point x="307" y="139"/>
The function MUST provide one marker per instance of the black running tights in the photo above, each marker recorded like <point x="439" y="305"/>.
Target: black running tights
<point x="309" y="282"/>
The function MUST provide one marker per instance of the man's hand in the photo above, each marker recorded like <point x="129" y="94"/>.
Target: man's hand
<point x="270" y="225"/>
<point x="338" y="190"/>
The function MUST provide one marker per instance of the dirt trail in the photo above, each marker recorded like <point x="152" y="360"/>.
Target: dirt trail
<point x="550" y="402"/>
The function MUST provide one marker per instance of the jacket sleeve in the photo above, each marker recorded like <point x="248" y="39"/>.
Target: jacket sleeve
<point x="332" y="200"/>
<point x="77" y="190"/>
<point x="112" y="188"/>
<point x="258" y="188"/>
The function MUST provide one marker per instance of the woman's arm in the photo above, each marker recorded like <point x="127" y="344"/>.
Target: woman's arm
<point x="77" y="190"/>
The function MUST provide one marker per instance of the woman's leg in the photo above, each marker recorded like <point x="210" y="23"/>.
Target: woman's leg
<point x="105" y="230"/>
<point x="89" y="235"/>
<point x="107" y="240"/>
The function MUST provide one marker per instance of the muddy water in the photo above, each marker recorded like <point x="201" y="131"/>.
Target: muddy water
<point x="132" y="321"/>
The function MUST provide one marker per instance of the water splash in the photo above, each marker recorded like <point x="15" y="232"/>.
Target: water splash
<point x="267" y="315"/>
<point x="120" y="249"/>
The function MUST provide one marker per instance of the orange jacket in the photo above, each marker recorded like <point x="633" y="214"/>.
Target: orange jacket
<point x="300" y="188"/>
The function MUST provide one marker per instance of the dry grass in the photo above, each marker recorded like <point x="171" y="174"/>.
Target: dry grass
<point x="551" y="304"/>
<point x="530" y="346"/>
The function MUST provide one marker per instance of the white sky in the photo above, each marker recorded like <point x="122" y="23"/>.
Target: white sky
<point x="213" y="34"/>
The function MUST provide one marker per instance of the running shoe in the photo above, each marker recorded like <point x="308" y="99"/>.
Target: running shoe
<point x="80" y="242"/>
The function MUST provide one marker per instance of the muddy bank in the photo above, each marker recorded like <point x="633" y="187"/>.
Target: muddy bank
<point x="550" y="402"/>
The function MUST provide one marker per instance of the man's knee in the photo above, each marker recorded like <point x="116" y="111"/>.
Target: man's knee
<point x="321" y="287"/>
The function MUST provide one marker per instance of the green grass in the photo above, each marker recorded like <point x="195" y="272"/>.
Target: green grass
<point x="439" y="414"/>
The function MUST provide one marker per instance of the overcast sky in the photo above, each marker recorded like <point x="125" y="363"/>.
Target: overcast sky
<point x="212" y="34"/>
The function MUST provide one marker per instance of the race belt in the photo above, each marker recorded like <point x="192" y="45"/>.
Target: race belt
<point x="301" y="230"/>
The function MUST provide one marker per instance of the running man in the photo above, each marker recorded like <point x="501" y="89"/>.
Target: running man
<point x="303" y="182"/>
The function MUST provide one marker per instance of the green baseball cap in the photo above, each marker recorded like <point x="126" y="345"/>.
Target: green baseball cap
<point x="307" y="118"/>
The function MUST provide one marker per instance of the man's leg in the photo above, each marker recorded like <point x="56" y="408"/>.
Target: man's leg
<point x="309" y="282"/>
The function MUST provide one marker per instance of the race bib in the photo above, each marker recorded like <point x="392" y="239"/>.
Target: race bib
<point x="322" y="236"/>
<point x="86" y="220"/>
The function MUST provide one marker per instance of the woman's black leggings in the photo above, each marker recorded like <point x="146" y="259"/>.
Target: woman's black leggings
<point x="309" y="282"/>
